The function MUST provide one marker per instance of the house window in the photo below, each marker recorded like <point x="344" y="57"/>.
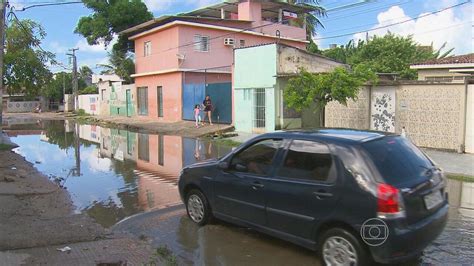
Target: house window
<point x="102" y="93"/>
<point x="201" y="43"/>
<point x="160" y="101"/>
<point x="242" y="43"/>
<point x="147" y="49"/>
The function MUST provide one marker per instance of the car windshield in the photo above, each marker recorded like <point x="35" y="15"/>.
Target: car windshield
<point x="397" y="159"/>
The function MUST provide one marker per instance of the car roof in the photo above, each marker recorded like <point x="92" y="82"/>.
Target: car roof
<point x="330" y="134"/>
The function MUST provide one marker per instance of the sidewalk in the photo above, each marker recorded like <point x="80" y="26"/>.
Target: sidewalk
<point x="450" y="162"/>
<point x="453" y="163"/>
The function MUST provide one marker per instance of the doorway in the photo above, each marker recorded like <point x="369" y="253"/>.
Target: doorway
<point x="259" y="109"/>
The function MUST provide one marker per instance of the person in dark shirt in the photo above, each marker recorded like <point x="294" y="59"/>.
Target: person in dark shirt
<point x="208" y="108"/>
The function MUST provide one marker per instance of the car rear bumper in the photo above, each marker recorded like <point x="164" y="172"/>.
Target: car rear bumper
<point x="407" y="242"/>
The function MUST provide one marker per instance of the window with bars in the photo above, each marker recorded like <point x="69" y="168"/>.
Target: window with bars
<point x="201" y="43"/>
<point x="147" y="49"/>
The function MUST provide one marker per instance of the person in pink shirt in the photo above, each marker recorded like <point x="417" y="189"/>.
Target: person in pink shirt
<point x="197" y="115"/>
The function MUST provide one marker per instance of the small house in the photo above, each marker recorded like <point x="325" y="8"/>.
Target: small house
<point x="260" y="77"/>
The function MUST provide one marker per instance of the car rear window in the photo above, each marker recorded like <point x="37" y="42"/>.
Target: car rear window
<point x="397" y="159"/>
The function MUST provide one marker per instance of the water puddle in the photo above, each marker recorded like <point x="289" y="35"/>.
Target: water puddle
<point x="110" y="173"/>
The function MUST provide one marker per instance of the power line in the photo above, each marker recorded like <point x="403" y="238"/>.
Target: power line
<point x="49" y="4"/>
<point x="393" y="24"/>
<point x="370" y="24"/>
<point x="364" y="11"/>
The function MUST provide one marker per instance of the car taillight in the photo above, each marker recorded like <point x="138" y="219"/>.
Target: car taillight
<point x="389" y="202"/>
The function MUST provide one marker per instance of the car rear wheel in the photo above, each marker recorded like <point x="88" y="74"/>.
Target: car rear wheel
<point x="340" y="247"/>
<point x="198" y="208"/>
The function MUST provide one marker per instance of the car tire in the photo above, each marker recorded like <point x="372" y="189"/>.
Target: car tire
<point x="338" y="246"/>
<point x="197" y="207"/>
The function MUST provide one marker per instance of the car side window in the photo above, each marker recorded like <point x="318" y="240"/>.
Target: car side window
<point x="258" y="158"/>
<point x="307" y="160"/>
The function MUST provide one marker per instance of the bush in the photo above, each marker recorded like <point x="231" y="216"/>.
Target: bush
<point x="81" y="112"/>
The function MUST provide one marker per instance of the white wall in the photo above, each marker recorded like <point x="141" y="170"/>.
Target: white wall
<point x="90" y="103"/>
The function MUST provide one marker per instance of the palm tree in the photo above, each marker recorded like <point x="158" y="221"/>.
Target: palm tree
<point x="120" y="63"/>
<point x="312" y="18"/>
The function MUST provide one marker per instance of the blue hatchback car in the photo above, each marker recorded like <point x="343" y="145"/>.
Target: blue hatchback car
<point x="353" y="196"/>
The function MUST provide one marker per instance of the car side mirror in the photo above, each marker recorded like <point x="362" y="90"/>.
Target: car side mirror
<point x="241" y="168"/>
<point x="223" y="165"/>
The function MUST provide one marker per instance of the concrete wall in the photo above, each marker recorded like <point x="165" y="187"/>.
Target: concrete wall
<point x="22" y="107"/>
<point x="354" y="115"/>
<point x="290" y="60"/>
<point x="433" y="114"/>
<point x="68" y="103"/>
<point x="118" y="99"/>
<point x="104" y="97"/>
<point x="172" y="91"/>
<point x="90" y="103"/>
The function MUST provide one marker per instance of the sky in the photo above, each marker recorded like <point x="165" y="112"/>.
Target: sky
<point x="452" y="26"/>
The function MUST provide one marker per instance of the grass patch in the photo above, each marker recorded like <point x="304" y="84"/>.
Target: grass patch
<point x="227" y="142"/>
<point x="163" y="256"/>
<point x="464" y="178"/>
<point x="5" y="147"/>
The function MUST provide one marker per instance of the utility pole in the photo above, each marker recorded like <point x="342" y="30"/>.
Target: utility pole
<point x="74" y="78"/>
<point x="3" y="7"/>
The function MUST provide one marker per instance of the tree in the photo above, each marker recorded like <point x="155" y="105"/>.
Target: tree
<point x="120" y="63"/>
<point x="60" y="83"/>
<point x="312" y="19"/>
<point x="387" y="54"/>
<point x="109" y="18"/>
<point x="343" y="52"/>
<point x="89" y="90"/>
<point x="25" y="63"/>
<point x="312" y="47"/>
<point x="339" y="85"/>
<point x="85" y="73"/>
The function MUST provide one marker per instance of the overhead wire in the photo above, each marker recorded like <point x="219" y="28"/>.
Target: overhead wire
<point x="393" y="24"/>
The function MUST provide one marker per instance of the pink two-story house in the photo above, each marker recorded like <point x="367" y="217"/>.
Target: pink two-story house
<point x="180" y="59"/>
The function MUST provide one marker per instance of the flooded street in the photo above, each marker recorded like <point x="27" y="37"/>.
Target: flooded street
<point x="113" y="174"/>
<point x="110" y="173"/>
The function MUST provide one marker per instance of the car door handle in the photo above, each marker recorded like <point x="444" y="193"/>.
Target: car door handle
<point x="321" y="194"/>
<point x="257" y="185"/>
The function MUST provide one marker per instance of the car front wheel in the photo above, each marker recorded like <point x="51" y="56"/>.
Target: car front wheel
<point x="198" y="208"/>
<point x="340" y="247"/>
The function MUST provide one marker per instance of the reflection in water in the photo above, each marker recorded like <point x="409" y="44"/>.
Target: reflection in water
<point x="111" y="173"/>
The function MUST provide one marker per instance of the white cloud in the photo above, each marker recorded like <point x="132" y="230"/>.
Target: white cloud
<point x="83" y="46"/>
<point x="164" y="5"/>
<point x="453" y="26"/>
<point x="93" y="62"/>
